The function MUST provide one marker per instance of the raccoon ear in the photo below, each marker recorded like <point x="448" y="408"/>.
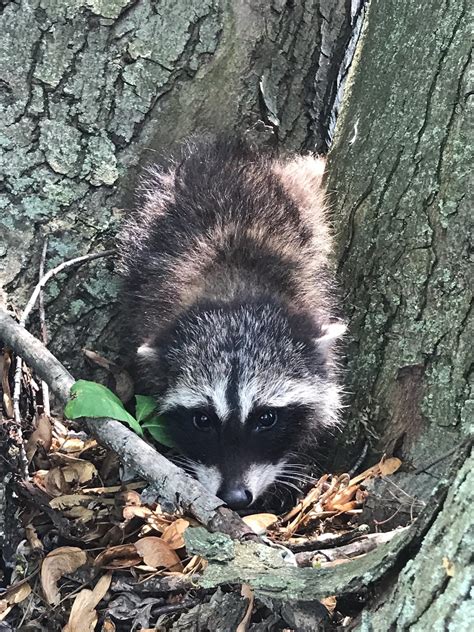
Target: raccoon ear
<point x="302" y="177"/>
<point x="146" y="352"/>
<point x="330" y="333"/>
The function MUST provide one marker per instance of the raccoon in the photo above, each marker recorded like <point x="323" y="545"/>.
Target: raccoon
<point x="230" y="305"/>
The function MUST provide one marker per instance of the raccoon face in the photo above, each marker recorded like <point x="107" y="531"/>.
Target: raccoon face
<point x="242" y="389"/>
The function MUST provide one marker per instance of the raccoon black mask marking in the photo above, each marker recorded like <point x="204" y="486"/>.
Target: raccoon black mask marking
<point x="229" y="299"/>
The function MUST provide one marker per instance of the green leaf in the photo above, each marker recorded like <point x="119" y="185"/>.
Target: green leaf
<point x="157" y="428"/>
<point x="145" y="407"/>
<point x="154" y="425"/>
<point x="89" y="399"/>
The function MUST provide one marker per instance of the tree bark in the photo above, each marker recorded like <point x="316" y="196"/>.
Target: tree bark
<point x="92" y="90"/>
<point x="398" y="171"/>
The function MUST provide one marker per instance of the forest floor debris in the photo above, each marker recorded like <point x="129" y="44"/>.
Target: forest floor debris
<point x="87" y="553"/>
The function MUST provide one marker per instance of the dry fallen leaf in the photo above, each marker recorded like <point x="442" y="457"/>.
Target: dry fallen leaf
<point x="384" y="468"/>
<point x="83" y="514"/>
<point x="259" y="523"/>
<point x="79" y="472"/>
<point x="158" y="554"/>
<point x="72" y="445"/>
<point x="246" y="591"/>
<point x="71" y="500"/>
<point x="18" y="593"/>
<point x="83" y="617"/>
<point x="195" y="565"/>
<point x="329" y="603"/>
<point x="32" y="538"/>
<point x="131" y="511"/>
<point x="109" y="626"/>
<point x="41" y="436"/>
<point x="389" y="466"/>
<point x="5" y="363"/>
<point x="65" y="559"/>
<point x="121" y="556"/>
<point x="54" y="482"/>
<point x="128" y="498"/>
<point x="341" y="498"/>
<point x="173" y="535"/>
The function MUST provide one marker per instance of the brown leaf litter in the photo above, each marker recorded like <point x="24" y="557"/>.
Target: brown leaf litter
<point x="84" y="529"/>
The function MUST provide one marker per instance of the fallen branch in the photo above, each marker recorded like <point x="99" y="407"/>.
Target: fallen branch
<point x="44" y="329"/>
<point x="170" y="483"/>
<point x="361" y="546"/>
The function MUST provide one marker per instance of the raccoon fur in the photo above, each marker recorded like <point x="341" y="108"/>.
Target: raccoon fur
<point x="229" y="298"/>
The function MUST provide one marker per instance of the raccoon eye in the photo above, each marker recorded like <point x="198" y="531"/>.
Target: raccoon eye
<point x="266" y="419"/>
<point x="202" y="421"/>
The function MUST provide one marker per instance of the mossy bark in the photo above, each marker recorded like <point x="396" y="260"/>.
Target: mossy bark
<point x="92" y="89"/>
<point x="398" y="173"/>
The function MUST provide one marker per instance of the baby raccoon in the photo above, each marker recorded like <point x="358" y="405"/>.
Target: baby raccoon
<point x="230" y="307"/>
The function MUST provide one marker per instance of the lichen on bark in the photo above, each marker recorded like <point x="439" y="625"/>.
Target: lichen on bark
<point x="398" y="171"/>
<point x="92" y="89"/>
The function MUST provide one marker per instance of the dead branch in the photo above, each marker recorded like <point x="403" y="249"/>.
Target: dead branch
<point x="170" y="483"/>
<point x="358" y="547"/>
<point x="55" y="271"/>
<point x="44" y="330"/>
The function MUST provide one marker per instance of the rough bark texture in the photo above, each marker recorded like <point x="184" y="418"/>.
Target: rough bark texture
<point x="434" y="590"/>
<point x="399" y="171"/>
<point x="92" y="88"/>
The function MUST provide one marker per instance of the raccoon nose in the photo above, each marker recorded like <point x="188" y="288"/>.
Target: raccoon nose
<point x="236" y="497"/>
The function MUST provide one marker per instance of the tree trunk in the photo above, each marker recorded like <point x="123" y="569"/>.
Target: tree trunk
<point x="90" y="90"/>
<point x="399" y="170"/>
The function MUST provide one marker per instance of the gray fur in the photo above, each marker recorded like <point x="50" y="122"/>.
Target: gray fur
<point x="230" y="302"/>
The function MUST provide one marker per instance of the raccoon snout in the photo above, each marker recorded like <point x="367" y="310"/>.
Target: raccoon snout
<point x="236" y="497"/>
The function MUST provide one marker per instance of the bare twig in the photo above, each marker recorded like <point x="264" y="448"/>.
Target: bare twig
<point x="326" y="541"/>
<point x="17" y="418"/>
<point x="24" y="317"/>
<point x="44" y="330"/>
<point x="358" y="547"/>
<point x="170" y="483"/>
<point x="53" y="272"/>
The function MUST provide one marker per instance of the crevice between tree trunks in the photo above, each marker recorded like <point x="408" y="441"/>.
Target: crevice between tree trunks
<point x="170" y="483"/>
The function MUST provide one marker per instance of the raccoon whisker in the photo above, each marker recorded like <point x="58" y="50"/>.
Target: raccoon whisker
<point x="189" y="469"/>
<point x="274" y="492"/>
<point x="296" y="481"/>
<point x="296" y="466"/>
<point x="185" y="463"/>
<point x="303" y="472"/>
<point x="181" y="459"/>
<point x="297" y="473"/>
<point x="299" y="479"/>
<point x="289" y="485"/>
